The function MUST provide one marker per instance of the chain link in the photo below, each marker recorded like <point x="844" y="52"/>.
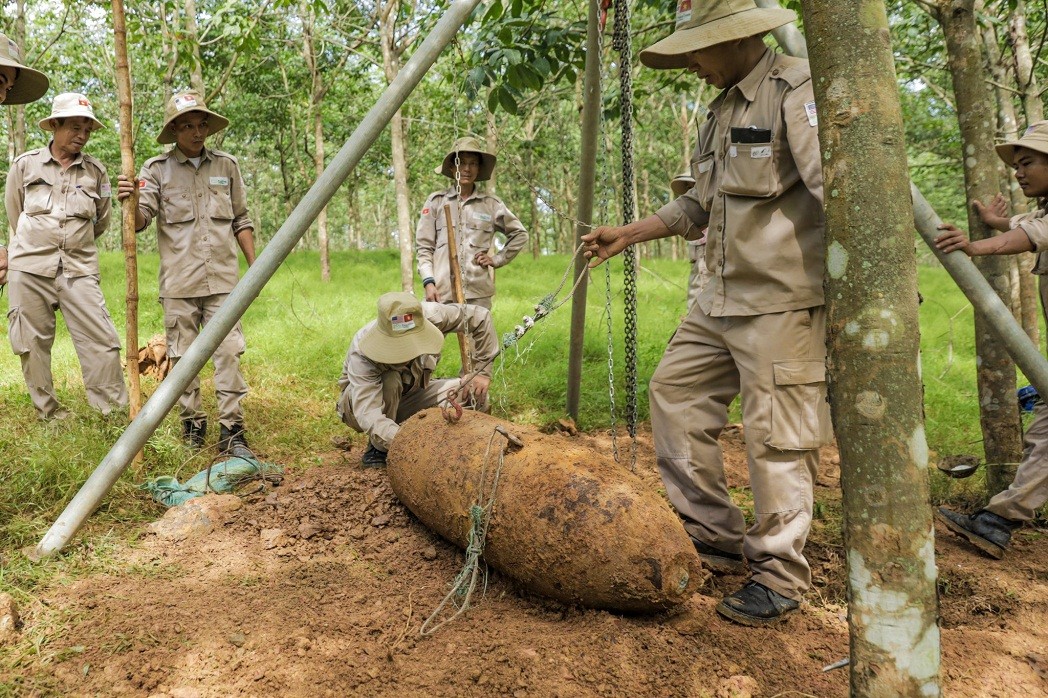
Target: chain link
<point x="622" y="43"/>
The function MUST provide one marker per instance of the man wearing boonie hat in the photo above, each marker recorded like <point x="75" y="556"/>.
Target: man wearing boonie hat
<point x="698" y="274"/>
<point x="990" y="528"/>
<point x="387" y="375"/>
<point x="197" y="197"/>
<point x="758" y="327"/>
<point x="58" y="201"/>
<point x="18" y="85"/>
<point x="482" y="215"/>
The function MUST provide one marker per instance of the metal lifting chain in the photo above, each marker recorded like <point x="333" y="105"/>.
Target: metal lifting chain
<point x="603" y="181"/>
<point x="621" y="43"/>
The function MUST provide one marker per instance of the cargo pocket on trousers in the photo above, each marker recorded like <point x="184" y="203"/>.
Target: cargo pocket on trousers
<point x="16" y="332"/>
<point x="800" y="414"/>
<point x="174" y="338"/>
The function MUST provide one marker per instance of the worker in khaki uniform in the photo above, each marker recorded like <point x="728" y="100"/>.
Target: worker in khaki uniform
<point x="477" y="217"/>
<point x="197" y="197"/>
<point x="990" y="528"/>
<point x="698" y="275"/>
<point x="758" y="327"/>
<point x="387" y="375"/>
<point x="18" y="85"/>
<point x="58" y="200"/>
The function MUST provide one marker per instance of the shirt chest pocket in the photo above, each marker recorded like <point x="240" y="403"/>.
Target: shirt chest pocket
<point x="219" y="205"/>
<point x="83" y="204"/>
<point x="37" y="198"/>
<point x="751" y="169"/>
<point x="178" y="206"/>
<point x="478" y="236"/>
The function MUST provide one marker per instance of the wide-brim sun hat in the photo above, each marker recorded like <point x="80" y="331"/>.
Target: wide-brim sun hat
<point x="701" y="24"/>
<point x="401" y="331"/>
<point x="680" y="184"/>
<point x="68" y="105"/>
<point x="30" y="85"/>
<point x="1035" y="138"/>
<point x="468" y="145"/>
<point x="183" y="103"/>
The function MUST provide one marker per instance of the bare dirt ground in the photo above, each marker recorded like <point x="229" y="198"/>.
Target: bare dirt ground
<point x="319" y="589"/>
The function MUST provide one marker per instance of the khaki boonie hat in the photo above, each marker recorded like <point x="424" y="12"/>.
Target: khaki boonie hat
<point x="402" y="331"/>
<point x="468" y="145"/>
<point x="183" y="103"/>
<point x="680" y="184"/>
<point x="30" y="85"/>
<point x="704" y="23"/>
<point x="70" y="104"/>
<point x="1035" y="138"/>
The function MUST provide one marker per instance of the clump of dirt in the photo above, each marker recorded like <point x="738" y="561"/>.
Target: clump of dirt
<point x="319" y="588"/>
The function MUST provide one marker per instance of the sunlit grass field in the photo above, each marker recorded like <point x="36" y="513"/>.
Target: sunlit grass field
<point x="298" y="332"/>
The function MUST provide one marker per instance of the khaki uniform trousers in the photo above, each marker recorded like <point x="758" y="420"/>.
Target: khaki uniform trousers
<point x="1029" y="490"/>
<point x="31" y="330"/>
<point x="398" y="406"/>
<point x="777" y="361"/>
<point x="183" y="318"/>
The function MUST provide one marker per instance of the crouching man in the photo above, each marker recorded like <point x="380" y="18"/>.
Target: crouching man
<point x="386" y="377"/>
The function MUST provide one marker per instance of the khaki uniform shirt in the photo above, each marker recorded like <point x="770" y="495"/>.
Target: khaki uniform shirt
<point x="198" y="213"/>
<point x="482" y="216"/>
<point x="758" y="185"/>
<point x="363" y="377"/>
<point x="1035" y="225"/>
<point x="56" y="214"/>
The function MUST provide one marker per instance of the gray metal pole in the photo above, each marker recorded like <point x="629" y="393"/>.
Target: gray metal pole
<point x="591" y="106"/>
<point x="968" y="278"/>
<point x="245" y="292"/>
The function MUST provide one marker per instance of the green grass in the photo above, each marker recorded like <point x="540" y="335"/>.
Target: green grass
<point x="298" y="331"/>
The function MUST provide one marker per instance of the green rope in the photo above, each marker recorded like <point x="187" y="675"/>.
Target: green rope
<point x="465" y="582"/>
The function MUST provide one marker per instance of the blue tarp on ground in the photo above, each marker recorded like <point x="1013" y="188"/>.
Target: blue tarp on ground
<point x="225" y="477"/>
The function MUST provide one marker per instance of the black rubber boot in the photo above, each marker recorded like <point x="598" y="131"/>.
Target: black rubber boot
<point x="718" y="560"/>
<point x="756" y="605"/>
<point x="373" y="457"/>
<point x="233" y="441"/>
<point x="194" y="432"/>
<point x="985" y="530"/>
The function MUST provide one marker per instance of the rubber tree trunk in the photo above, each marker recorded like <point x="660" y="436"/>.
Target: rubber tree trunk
<point x="18" y="130"/>
<point x="1024" y="72"/>
<point x="998" y="405"/>
<point x="316" y="98"/>
<point x="391" y="64"/>
<point x="129" y="207"/>
<point x="587" y="181"/>
<point x="196" y="69"/>
<point x="873" y="344"/>
<point x="1025" y="286"/>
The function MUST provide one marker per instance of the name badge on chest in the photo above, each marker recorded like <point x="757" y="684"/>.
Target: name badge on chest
<point x="486" y="217"/>
<point x="219" y="181"/>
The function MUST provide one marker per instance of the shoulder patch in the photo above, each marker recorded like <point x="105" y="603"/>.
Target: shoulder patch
<point x="813" y="117"/>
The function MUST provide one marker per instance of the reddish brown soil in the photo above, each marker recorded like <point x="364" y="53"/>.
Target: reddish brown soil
<point x="333" y="606"/>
